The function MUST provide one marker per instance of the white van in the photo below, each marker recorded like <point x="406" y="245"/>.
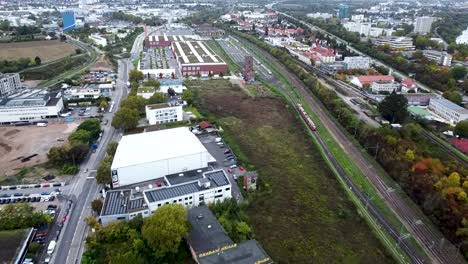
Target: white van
<point x="51" y="247"/>
<point x="218" y="139"/>
<point x="41" y="124"/>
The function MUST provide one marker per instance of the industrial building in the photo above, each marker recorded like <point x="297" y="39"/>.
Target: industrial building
<point x="147" y="156"/>
<point x="163" y="113"/>
<point x="162" y="41"/>
<point x="189" y="189"/>
<point x="396" y="43"/>
<point x="440" y="57"/>
<point x="209" y="243"/>
<point x="195" y="57"/>
<point x="30" y="105"/>
<point x="449" y="111"/>
<point x="9" y="83"/>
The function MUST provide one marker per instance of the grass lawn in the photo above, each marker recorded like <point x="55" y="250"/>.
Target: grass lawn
<point x="47" y="50"/>
<point x="302" y="214"/>
<point x="194" y="111"/>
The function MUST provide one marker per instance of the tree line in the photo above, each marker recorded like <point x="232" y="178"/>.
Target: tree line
<point x="21" y="215"/>
<point x="71" y="154"/>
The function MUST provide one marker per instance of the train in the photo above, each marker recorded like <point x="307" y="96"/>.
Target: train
<point x="306" y="117"/>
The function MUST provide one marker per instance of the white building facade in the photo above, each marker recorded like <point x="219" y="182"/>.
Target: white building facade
<point x="378" y="87"/>
<point x="451" y="112"/>
<point x="357" y="62"/>
<point x="441" y="58"/>
<point x="423" y="24"/>
<point x="163" y="113"/>
<point x="9" y="83"/>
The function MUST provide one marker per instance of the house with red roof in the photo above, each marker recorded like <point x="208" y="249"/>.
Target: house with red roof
<point x="361" y="81"/>
<point x="408" y="84"/>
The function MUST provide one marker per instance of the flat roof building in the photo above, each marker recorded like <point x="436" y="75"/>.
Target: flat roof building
<point x="396" y="43"/>
<point x="146" y="156"/>
<point x="196" y="57"/>
<point x="451" y="112"/>
<point x="440" y="57"/>
<point x="209" y="243"/>
<point x="163" y="113"/>
<point x="30" y="105"/>
<point x="122" y="205"/>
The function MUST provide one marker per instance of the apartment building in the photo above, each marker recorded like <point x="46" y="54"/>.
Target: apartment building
<point x="357" y="63"/>
<point x="9" y="83"/>
<point x="163" y="113"/>
<point x="451" y="112"/>
<point x="440" y="57"/>
<point x="423" y="24"/>
<point x="395" y="43"/>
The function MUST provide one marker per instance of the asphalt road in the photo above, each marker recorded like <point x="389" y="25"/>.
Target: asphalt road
<point x="430" y="239"/>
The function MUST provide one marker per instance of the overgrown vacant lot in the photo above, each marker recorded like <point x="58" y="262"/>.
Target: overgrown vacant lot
<point x="47" y="50"/>
<point x="304" y="216"/>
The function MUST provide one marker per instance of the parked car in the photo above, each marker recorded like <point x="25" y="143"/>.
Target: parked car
<point x="18" y="194"/>
<point x="52" y="206"/>
<point x="13" y="187"/>
<point x="45" y="185"/>
<point x="37" y="186"/>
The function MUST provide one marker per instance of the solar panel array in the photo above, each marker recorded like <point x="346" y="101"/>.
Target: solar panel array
<point x="167" y="193"/>
<point x="217" y="177"/>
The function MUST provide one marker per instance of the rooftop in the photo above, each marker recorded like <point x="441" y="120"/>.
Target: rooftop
<point x="375" y="78"/>
<point x="216" y="178"/>
<point x="247" y="252"/>
<point x="195" y="52"/>
<point x="207" y="233"/>
<point x="30" y="98"/>
<point x="452" y="106"/>
<point x="161" y="105"/>
<point x="121" y="202"/>
<point x="158" y="145"/>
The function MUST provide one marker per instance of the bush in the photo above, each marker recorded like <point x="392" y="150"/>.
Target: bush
<point x="69" y="169"/>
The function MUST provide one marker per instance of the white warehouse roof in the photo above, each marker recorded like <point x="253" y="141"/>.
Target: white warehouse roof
<point x="155" y="146"/>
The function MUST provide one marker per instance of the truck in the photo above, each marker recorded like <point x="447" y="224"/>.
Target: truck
<point x="51" y="247"/>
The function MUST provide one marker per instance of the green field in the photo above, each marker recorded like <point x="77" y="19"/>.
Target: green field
<point x="301" y="214"/>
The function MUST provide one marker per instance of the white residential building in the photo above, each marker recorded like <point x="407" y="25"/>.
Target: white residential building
<point x="423" y="24"/>
<point x="9" y="83"/>
<point x="357" y="62"/>
<point x="451" y="112"/>
<point x="396" y="43"/>
<point x="320" y="15"/>
<point x="163" y="113"/>
<point x="30" y="105"/>
<point x="82" y="92"/>
<point x="378" y="87"/>
<point x="146" y="156"/>
<point x="441" y="58"/>
<point x="357" y="18"/>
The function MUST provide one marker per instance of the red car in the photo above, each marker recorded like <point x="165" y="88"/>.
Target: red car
<point x="64" y="218"/>
<point x="45" y="185"/>
<point x="158" y="183"/>
<point x="241" y="168"/>
<point x="227" y="150"/>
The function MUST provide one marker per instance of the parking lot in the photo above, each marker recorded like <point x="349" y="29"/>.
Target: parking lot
<point x="225" y="159"/>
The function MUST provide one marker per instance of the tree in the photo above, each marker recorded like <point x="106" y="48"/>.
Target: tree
<point x="171" y="91"/>
<point x="103" y="104"/>
<point x="112" y="148"/>
<point x="135" y="75"/>
<point x="409" y="155"/>
<point x="103" y="174"/>
<point x="37" y="60"/>
<point x="126" y="119"/>
<point x="80" y="136"/>
<point x="93" y="126"/>
<point x="63" y="38"/>
<point x="165" y="229"/>
<point x="461" y="129"/>
<point x="96" y="205"/>
<point x="394" y="108"/>
<point x="458" y="72"/>
<point x="187" y="96"/>
<point x="153" y="83"/>
<point x="453" y="96"/>
<point x="134" y="102"/>
<point x="417" y="55"/>
<point x="157" y="98"/>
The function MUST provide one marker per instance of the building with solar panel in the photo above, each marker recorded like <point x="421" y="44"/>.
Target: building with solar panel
<point x="190" y="189"/>
<point x="30" y="105"/>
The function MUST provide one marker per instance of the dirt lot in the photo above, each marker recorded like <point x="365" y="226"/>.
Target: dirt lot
<point x="47" y="50"/>
<point x="301" y="214"/>
<point x="102" y="64"/>
<point x="19" y="142"/>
